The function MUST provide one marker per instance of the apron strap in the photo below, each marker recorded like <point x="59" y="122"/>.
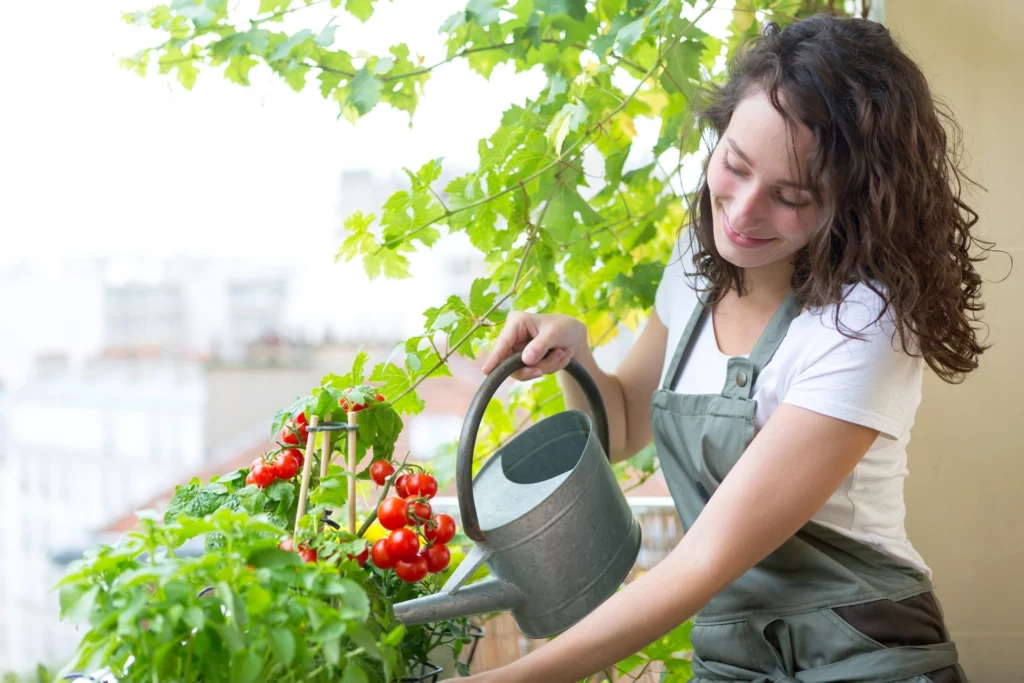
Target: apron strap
<point x="742" y="372"/>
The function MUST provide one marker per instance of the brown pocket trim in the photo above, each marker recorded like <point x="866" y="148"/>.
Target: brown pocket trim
<point x="916" y="620"/>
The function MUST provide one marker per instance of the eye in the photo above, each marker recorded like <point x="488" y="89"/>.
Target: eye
<point x="785" y="202"/>
<point x="729" y="167"/>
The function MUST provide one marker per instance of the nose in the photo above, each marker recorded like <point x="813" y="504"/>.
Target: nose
<point x="745" y="211"/>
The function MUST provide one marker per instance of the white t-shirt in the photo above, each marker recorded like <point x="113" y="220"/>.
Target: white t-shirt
<point x="870" y="382"/>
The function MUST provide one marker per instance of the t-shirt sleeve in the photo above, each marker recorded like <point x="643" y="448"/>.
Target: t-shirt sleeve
<point x="674" y="281"/>
<point x="869" y="381"/>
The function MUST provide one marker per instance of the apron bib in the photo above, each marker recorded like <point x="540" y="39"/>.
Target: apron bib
<point x="789" y="618"/>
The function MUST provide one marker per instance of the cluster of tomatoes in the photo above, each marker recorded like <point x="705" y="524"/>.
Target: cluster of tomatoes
<point x="356" y="407"/>
<point x="407" y="516"/>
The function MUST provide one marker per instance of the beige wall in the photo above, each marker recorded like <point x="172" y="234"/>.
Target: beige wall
<point x="965" y="493"/>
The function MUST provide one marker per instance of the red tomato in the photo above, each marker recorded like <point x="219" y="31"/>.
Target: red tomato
<point x="417" y="509"/>
<point x="262" y="475"/>
<point x="379" y="397"/>
<point x="437" y="556"/>
<point x="413" y="570"/>
<point x="295" y="453"/>
<point x="307" y="554"/>
<point x="303" y="433"/>
<point x="285" y="466"/>
<point x="287" y="436"/>
<point x="380" y="554"/>
<point x="380" y="470"/>
<point x="249" y="479"/>
<point x="300" y="420"/>
<point x="393" y="513"/>
<point x="443" y="530"/>
<point x="421" y="484"/>
<point x="400" y="485"/>
<point x="361" y="557"/>
<point x="287" y="544"/>
<point x="403" y="544"/>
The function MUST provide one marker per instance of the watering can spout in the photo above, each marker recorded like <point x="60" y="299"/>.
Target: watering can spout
<point x="454" y="600"/>
<point x="485" y="597"/>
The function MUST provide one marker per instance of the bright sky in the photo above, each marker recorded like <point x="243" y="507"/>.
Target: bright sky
<point x="95" y="160"/>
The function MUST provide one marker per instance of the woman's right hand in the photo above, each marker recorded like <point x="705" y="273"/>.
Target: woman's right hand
<point x="534" y="335"/>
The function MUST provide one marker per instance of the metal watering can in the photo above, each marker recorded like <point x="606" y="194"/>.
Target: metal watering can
<point x="547" y="515"/>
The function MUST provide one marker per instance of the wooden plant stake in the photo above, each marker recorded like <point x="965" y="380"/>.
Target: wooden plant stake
<point x="352" y="472"/>
<point x="325" y="450"/>
<point x="307" y="468"/>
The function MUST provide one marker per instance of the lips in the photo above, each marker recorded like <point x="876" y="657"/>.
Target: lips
<point x="741" y="240"/>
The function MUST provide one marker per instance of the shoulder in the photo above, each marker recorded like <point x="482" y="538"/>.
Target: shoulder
<point x="679" y="281"/>
<point x="848" y="362"/>
<point x="862" y="315"/>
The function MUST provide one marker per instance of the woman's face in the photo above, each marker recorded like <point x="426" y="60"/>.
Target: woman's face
<point x="762" y="210"/>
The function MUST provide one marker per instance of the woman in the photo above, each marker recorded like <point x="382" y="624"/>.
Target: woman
<point x="780" y="372"/>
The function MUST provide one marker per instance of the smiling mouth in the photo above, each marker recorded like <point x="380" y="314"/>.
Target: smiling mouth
<point x="739" y="239"/>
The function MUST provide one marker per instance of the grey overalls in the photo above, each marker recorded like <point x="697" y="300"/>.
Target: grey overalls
<point x="791" y="617"/>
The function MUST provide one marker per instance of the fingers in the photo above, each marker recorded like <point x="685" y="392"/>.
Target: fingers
<point x="556" y="360"/>
<point x="511" y="340"/>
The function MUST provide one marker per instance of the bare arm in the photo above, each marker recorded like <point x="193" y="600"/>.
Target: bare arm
<point x="785" y="475"/>
<point x="626" y="392"/>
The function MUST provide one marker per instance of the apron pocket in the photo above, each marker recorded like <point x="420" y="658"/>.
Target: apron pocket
<point x="808" y="640"/>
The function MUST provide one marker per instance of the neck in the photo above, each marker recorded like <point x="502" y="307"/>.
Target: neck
<point x="768" y="283"/>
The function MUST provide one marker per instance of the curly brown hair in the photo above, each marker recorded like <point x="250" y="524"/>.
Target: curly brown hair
<point x="888" y="180"/>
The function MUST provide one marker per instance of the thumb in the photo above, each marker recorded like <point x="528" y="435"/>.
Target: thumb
<point x="535" y="350"/>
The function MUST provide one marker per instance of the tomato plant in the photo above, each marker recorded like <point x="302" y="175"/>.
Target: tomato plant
<point x="287" y="595"/>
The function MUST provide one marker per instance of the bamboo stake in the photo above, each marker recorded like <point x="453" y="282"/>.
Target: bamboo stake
<point x="307" y="468"/>
<point x="352" y="471"/>
<point x="325" y="457"/>
<point x="325" y="450"/>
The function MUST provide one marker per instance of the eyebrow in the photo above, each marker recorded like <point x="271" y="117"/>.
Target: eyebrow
<point x="741" y="155"/>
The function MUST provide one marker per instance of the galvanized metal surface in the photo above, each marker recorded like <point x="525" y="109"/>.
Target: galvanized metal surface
<point x="550" y="520"/>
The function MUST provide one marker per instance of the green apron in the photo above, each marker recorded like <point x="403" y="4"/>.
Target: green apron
<point x="780" y="620"/>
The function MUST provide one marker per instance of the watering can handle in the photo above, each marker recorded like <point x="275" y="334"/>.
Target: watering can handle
<point x="467" y="441"/>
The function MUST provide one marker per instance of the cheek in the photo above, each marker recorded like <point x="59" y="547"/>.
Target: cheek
<point x="797" y="226"/>
<point x="721" y="183"/>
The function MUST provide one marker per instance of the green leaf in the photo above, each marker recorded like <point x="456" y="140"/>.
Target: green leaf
<point x="483" y="12"/>
<point x="332" y="651"/>
<point x="272" y="558"/>
<point x="195" y="500"/>
<point x="360" y="9"/>
<point x="629" y="34"/>
<point x="567" y="120"/>
<point x="387" y="262"/>
<point x="273" y="6"/>
<point x="237" y="70"/>
<point x="561" y="220"/>
<point x="282" y="642"/>
<point x="364" y="92"/>
<point x="245" y="666"/>
<point x="326" y="37"/>
<point x="285" y="48"/>
<point x="577" y="9"/>
<point x="77" y="602"/>
<point x="354" y="674"/>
